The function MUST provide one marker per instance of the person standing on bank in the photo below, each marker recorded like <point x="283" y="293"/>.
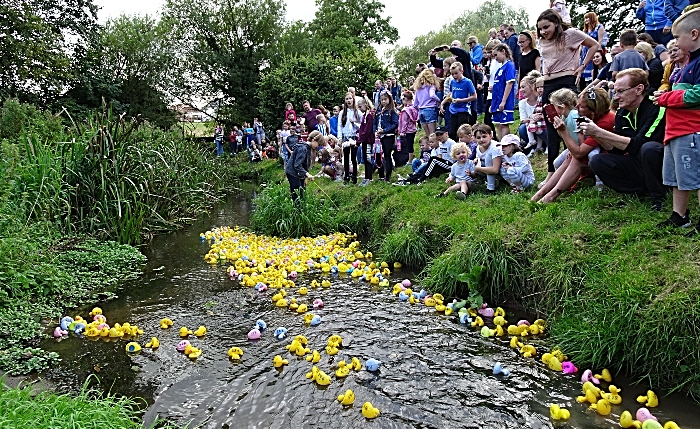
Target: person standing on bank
<point x="561" y="66"/>
<point x="297" y="167"/>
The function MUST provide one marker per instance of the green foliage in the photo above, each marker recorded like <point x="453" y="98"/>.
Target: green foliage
<point x="616" y="17"/>
<point x="317" y="78"/>
<point x="408" y="244"/>
<point x="224" y="46"/>
<point x="275" y="214"/>
<point x="473" y="281"/>
<point x="23" y="408"/>
<point x="489" y="14"/>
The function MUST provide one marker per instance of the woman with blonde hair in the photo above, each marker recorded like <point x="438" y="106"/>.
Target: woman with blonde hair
<point x="426" y="100"/>
<point x="656" y="69"/>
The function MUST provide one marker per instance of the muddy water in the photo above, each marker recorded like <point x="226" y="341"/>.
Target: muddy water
<point x="435" y="373"/>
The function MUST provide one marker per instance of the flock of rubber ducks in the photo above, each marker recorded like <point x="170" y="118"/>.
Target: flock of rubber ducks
<point x="97" y="328"/>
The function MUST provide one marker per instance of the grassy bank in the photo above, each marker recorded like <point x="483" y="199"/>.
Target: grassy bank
<point x="617" y="292"/>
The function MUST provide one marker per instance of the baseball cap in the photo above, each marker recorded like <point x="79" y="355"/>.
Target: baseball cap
<point x="510" y="139"/>
<point x="441" y="130"/>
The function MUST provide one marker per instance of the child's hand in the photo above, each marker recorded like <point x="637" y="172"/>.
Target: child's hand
<point x="449" y="179"/>
<point x="502" y="106"/>
<point x="558" y="124"/>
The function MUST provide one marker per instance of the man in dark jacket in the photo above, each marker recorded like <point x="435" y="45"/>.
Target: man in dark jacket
<point x="456" y="49"/>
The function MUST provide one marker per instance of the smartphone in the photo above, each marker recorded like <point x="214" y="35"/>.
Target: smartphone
<point x="551" y="112"/>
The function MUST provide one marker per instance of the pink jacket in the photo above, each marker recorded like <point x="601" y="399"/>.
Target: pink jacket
<point x="407" y="120"/>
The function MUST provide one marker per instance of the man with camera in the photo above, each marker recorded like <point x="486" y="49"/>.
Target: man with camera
<point x="456" y="49"/>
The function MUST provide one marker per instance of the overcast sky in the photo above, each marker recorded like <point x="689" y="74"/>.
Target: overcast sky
<point x="409" y="20"/>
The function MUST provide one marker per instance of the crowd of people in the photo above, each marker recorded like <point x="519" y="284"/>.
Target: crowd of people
<point x="627" y="114"/>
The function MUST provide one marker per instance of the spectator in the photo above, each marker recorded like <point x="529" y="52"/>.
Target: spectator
<point x="628" y="58"/>
<point x="673" y="9"/>
<point x="462" y="93"/>
<point x="632" y="164"/>
<point x="289" y="114"/>
<point x="386" y="122"/>
<point x="678" y="59"/>
<point x="309" y="115"/>
<point x="490" y="70"/>
<point x="407" y="131"/>
<point x="511" y="39"/>
<point x="559" y="47"/>
<point x="259" y="131"/>
<point x="593" y="104"/>
<point x="333" y="121"/>
<point x="490" y="156"/>
<point x="532" y="124"/>
<point x="602" y="76"/>
<point x="656" y="69"/>
<point x="516" y="169"/>
<point x="219" y="139"/>
<point x="660" y="50"/>
<point x="427" y="100"/>
<point x="560" y="7"/>
<point x="365" y="137"/>
<point x="456" y="49"/>
<point x="503" y="103"/>
<point x="461" y="172"/>
<point x="529" y="56"/>
<point x="297" y="168"/>
<point x="595" y="29"/>
<point x="656" y="23"/>
<point x="378" y="88"/>
<point x="348" y="126"/>
<point x="475" y="50"/>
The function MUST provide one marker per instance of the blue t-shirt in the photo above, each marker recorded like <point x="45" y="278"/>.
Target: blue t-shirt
<point x="462" y="89"/>
<point x="504" y="75"/>
<point x="333" y="122"/>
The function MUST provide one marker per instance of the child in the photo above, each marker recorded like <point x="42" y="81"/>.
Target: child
<point x="322" y="126"/>
<point x="515" y="168"/>
<point x="386" y="122"/>
<point x="682" y="140"/>
<point x="462" y="173"/>
<point x="529" y="118"/>
<point x="427" y="100"/>
<point x="503" y="96"/>
<point x="537" y="124"/>
<point x="282" y="143"/>
<point x="489" y="155"/>
<point x="348" y="126"/>
<point x="462" y="93"/>
<point x="424" y="145"/>
<point x="365" y="137"/>
<point x="565" y="100"/>
<point x="289" y="114"/>
<point x="297" y="168"/>
<point x="407" y="131"/>
<point x="331" y="158"/>
<point x="333" y="121"/>
<point x="466" y="136"/>
<point x="219" y="139"/>
<point x="232" y="143"/>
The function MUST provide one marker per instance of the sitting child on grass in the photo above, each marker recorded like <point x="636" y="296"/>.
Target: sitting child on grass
<point x="331" y="158"/>
<point x="466" y="136"/>
<point x="462" y="173"/>
<point x="489" y="154"/>
<point x="424" y="145"/>
<point x="515" y="167"/>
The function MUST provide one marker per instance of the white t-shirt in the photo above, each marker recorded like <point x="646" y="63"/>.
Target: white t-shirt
<point x="526" y="110"/>
<point x="520" y="162"/>
<point x="459" y="171"/>
<point x="493" y="68"/>
<point x="445" y="150"/>
<point x="493" y="151"/>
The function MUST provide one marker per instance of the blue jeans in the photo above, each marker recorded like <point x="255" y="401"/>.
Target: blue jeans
<point x="219" y="147"/>
<point x="415" y="164"/>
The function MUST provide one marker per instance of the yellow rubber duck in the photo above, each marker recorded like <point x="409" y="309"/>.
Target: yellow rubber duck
<point x="331" y="350"/>
<point x="546" y="357"/>
<point x="440" y="308"/>
<point x="499" y="331"/>
<point x="342" y="372"/>
<point x="335" y="340"/>
<point x="133" y="347"/>
<point x="95" y="311"/>
<point x="314" y="357"/>
<point x="439" y="298"/>
<point x="499" y="312"/>
<point x="590" y="386"/>
<point x="515" y="343"/>
<point x="356" y="364"/>
<point x="554" y="364"/>
<point x="557" y="351"/>
<point x="499" y="320"/>
<point x="513" y="330"/>
<point x="303" y="290"/>
<point x="396" y="289"/>
<point x="276" y="297"/>
<point x="104" y="332"/>
<point x="115" y="333"/>
<point x="558" y="413"/>
<point x="374" y="280"/>
<point x="235" y="353"/>
<point x="384" y="283"/>
<point x="604" y="375"/>
<point x="302" y="340"/>
<point x="153" y="344"/>
<point x="184" y="332"/>
<point x="671" y="425"/>
<point x="281" y="303"/>
<point x="651" y="399"/>
<point x="347" y="398"/>
<point x="200" y="332"/>
<point x="528" y="350"/>
<point x="602" y="407"/>
<point x="397" y="265"/>
<point x="535" y="329"/>
<point x="194" y="353"/>
<point x="308" y="317"/>
<point x="92" y="331"/>
<point x="314" y="284"/>
<point x="413" y="300"/>
<point x="322" y="378"/>
<point x="613" y="397"/>
<point x="314" y="372"/>
<point x="627" y="421"/>
<point x="165" y="323"/>
<point x="478" y="322"/>
<point x="278" y="361"/>
<point x="293" y="304"/>
<point x="369" y="411"/>
<point x="325" y="283"/>
<point x="448" y="310"/>
<point x="301" y="351"/>
<point x="589" y="397"/>
<point x="303" y="308"/>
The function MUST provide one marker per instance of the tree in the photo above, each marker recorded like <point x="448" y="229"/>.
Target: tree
<point x="489" y="14"/>
<point x="615" y="16"/>
<point x="342" y="26"/>
<point x="41" y="40"/>
<point x="223" y="46"/>
<point x="319" y="79"/>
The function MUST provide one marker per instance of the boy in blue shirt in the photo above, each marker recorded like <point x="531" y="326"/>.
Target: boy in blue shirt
<point x="463" y="93"/>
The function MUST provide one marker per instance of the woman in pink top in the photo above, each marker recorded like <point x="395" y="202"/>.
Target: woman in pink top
<point x="407" y="130"/>
<point x="426" y="101"/>
<point x="561" y="68"/>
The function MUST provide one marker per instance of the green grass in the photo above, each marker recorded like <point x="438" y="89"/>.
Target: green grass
<point x="617" y="292"/>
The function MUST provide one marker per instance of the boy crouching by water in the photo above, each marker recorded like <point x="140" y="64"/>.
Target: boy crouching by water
<point x="461" y="172"/>
<point x="297" y="168"/>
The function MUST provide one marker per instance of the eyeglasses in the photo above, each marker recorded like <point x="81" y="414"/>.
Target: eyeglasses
<point x="622" y="91"/>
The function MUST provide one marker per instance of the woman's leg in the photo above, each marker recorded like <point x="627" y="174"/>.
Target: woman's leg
<point x="353" y="155"/>
<point x="388" y="148"/>
<point x="429" y="128"/>
<point x="568" y="178"/>
<point x="346" y="164"/>
<point x="553" y="138"/>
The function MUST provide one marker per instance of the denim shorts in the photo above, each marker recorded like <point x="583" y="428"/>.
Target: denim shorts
<point x="427" y="115"/>
<point x="681" y="168"/>
<point x="502" y="117"/>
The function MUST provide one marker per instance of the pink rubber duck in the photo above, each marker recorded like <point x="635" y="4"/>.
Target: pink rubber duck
<point x="588" y="376"/>
<point x="568" y="367"/>
<point x="318" y="303"/>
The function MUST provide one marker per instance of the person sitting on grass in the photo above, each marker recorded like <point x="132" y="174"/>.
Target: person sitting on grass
<point x="297" y="168"/>
<point x="461" y="172"/>
<point x="439" y="164"/>
<point x="593" y="104"/>
<point x="424" y="156"/>
<point x="466" y="136"/>
<point x="331" y="158"/>
<point x="515" y="167"/>
<point x="489" y="155"/>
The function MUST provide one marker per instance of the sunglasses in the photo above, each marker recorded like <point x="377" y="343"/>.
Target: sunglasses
<point x="591" y="94"/>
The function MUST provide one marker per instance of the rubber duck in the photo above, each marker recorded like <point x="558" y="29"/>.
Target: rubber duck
<point x="278" y="361"/>
<point x="413" y="300"/>
<point x="515" y="343"/>
<point x="322" y="378"/>
<point x="325" y="283"/>
<point x="499" y="312"/>
<point x="429" y="301"/>
<point x="281" y="303"/>
<point x="558" y="413"/>
<point x="182" y="345"/>
<point x="652" y="424"/>
<point x="276" y="297"/>
<point x="486" y="332"/>
<point x="369" y="411"/>
<point x="554" y="364"/>
<point x="485" y="310"/>
<point x="302" y="340"/>
<point x="193" y="352"/>
<point x="347" y="398"/>
<point x="303" y="290"/>
<point x="499" y="320"/>
<point x="671" y="425"/>
<point x="308" y="317"/>
<point x="499" y="370"/>
<point x="651" y="399"/>
<point x="556" y="351"/>
<point x="153" y="344"/>
<point x="200" y="332"/>
<point x="478" y="322"/>
<point x="546" y="357"/>
<point x="397" y="289"/>
<point x="355" y="364"/>
<point x="314" y="284"/>
<point x="403" y="296"/>
<point x="535" y="329"/>
<point x="254" y="334"/>
<point x="315" y="321"/>
<point x="184" y="332"/>
<point x="372" y="364"/>
<point x="115" y="333"/>
<point x="568" y="367"/>
<point x="133" y="347"/>
<point x="643" y="415"/>
<point x="65" y="323"/>
<point x="588" y="376"/>
<point x="342" y="372"/>
<point x="335" y="340"/>
<point x="513" y="330"/>
<point x="293" y="305"/>
<point x="58" y="332"/>
<point x="303" y="308"/>
<point x="602" y="407"/>
<point x="318" y="303"/>
<point x="96" y="311"/>
<point x="499" y="331"/>
<point x="331" y="350"/>
<point x="90" y="332"/>
<point x="314" y="357"/>
<point x="613" y="397"/>
<point x="626" y="421"/>
<point x="528" y="350"/>
<point x="235" y="353"/>
<point x="165" y="323"/>
<point x="588" y="396"/>
<point x="280" y="332"/>
<point x="605" y="375"/>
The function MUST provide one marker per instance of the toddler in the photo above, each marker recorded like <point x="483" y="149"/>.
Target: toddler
<point x="515" y="167"/>
<point x="289" y="114"/>
<point x="424" y="145"/>
<point x="466" y="136"/>
<point x="461" y="172"/>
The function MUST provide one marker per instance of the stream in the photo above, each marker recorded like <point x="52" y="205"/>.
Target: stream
<point x="435" y="372"/>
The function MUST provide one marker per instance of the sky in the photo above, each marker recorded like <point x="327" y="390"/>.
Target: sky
<point x="403" y="16"/>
